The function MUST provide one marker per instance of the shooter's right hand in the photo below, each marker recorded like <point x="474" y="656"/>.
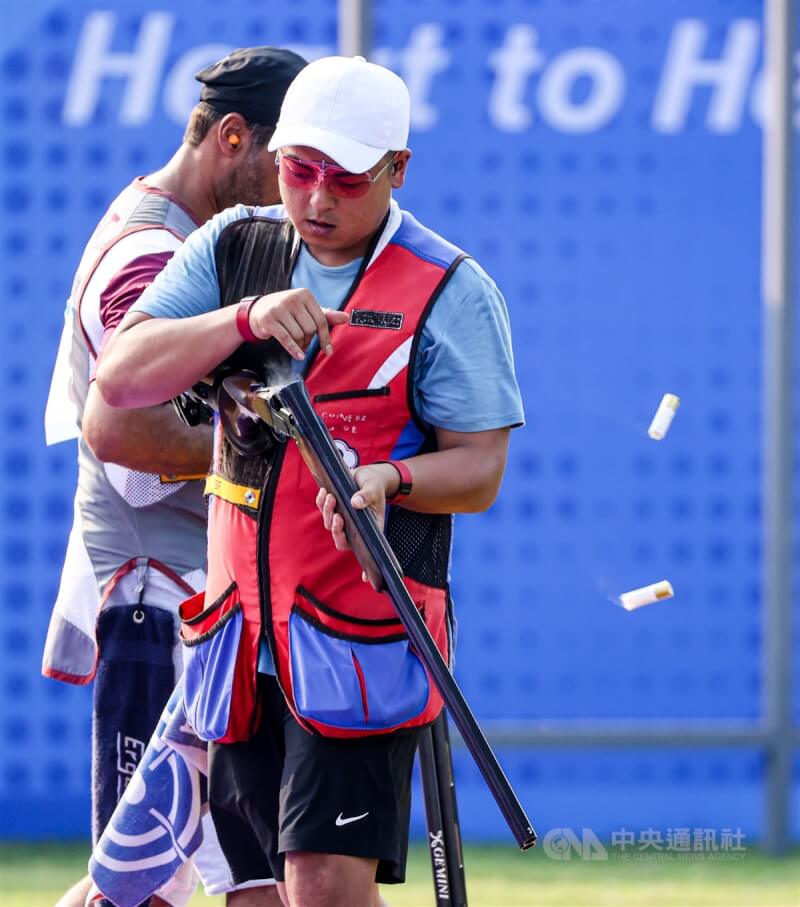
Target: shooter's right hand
<point x="293" y="317"/>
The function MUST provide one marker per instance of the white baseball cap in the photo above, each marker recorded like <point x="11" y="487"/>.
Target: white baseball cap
<point x="347" y="108"/>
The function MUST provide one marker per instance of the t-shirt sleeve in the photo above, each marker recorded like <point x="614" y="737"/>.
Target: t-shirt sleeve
<point x="188" y="285"/>
<point x="126" y="286"/>
<point x="464" y="370"/>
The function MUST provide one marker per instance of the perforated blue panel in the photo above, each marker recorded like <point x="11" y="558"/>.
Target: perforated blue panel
<point x="574" y="150"/>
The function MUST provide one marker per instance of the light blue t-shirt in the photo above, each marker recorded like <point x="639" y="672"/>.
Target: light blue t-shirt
<point x="464" y="371"/>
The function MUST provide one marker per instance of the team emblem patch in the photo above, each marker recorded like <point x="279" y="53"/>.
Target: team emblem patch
<point x="366" y="318"/>
<point x="347" y="453"/>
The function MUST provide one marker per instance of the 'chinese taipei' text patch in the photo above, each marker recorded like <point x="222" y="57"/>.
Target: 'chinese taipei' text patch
<point x="366" y="318"/>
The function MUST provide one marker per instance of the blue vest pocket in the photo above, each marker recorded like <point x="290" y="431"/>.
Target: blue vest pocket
<point x="211" y="642"/>
<point x="354" y="682"/>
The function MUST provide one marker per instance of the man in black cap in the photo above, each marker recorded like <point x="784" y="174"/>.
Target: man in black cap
<point x="138" y="545"/>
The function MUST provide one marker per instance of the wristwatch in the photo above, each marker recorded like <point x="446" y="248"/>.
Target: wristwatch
<point x="406" y="482"/>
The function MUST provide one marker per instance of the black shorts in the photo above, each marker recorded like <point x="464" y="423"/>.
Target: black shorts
<point x="302" y="792"/>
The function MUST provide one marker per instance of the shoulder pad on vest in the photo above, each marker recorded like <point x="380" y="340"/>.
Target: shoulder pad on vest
<point x="423" y="242"/>
<point x="253" y="256"/>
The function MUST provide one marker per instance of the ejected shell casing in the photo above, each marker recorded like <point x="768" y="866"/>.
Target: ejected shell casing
<point x="664" y="416"/>
<point x="647" y="595"/>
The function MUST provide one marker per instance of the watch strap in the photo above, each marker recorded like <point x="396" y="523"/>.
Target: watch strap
<point x="406" y="481"/>
<point x="243" y="319"/>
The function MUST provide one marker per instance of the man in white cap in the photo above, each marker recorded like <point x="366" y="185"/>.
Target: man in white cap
<point x="296" y="668"/>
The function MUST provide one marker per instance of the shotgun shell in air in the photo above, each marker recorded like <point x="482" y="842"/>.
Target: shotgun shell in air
<point x="664" y="416"/>
<point x="647" y="595"/>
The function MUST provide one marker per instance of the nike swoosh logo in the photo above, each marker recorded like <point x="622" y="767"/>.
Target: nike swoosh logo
<point x="340" y="821"/>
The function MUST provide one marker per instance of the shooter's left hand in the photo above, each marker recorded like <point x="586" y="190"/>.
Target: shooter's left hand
<point x="375" y="482"/>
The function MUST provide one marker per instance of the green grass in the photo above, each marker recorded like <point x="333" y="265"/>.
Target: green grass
<point x="34" y="875"/>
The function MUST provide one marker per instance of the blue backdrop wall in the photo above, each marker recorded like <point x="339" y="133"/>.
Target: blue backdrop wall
<point x="601" y="160"/>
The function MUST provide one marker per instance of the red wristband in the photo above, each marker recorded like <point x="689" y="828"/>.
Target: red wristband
<point x="406" y="481"/>
<point x="243" y="319"/>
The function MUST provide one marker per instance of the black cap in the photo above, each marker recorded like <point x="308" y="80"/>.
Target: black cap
<point x="251" y="81"/>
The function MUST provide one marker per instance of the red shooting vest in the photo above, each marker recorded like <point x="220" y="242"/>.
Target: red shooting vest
<point x="342" y="658"/>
